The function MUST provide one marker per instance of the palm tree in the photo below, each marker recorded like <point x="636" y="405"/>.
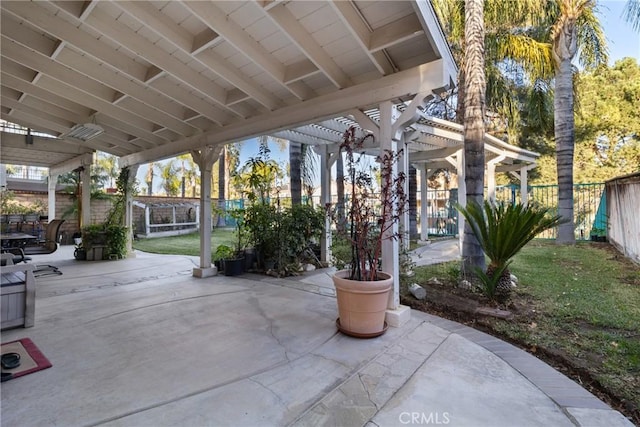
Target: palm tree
<point x="170" y="181"/>
<point x="295" y="164"/>
<point x="190" y="175"/>
<point x="514" y="56"/>
<point x="108" y="164"/>
<point x="474" y="104"/>
<point x="308" y="168"/>
<point x="302" y="171"/>
<point x="506" y="29"/>
<point x="222" y="170"/>
<point x="149" y="179"/>
<point x="576" y="27"/>
<point x="632" y="13"/>
<point x="232" y="159"/>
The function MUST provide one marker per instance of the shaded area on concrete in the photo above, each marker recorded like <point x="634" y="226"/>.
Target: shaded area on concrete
<point x="142" y="342"/>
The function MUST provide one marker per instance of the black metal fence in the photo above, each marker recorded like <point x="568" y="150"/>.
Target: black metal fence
<point x="442" y="217"/>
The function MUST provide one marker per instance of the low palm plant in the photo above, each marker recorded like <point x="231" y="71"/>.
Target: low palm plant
<point x="502" y="229"/>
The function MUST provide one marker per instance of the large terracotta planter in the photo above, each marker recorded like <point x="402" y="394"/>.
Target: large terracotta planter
<point x="362" y="304"/>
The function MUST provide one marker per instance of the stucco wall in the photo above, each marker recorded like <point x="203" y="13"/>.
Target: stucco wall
<point x="100" y="208"/>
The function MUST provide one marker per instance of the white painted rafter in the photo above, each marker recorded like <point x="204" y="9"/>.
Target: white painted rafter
<point x="215" y="18"/>
<point x="128" y="38"/>
<point x="353" y="20"/>
<point x="285" y="20"/>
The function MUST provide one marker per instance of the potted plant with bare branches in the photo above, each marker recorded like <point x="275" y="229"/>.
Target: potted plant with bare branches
<point x="373" y="208"/>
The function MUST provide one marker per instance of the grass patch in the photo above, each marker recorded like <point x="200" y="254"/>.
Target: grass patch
<point x="186" y="244"/>
<point x="582" y="307"/>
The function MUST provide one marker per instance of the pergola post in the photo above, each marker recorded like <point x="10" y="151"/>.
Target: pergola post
<point x="390" y="247"/>
<point x="325" y="199"/>
<point x="205" y="158"/>
<point x="396" y="314"/>
<point x="424" y="202"/>
<point x="128" y="214"/>
<point x="51" y="195"/>
<point x="491" y="177"/>
<point x="524" y="190"/>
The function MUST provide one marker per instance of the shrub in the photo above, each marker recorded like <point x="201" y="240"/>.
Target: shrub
<point x="502" y="229"/>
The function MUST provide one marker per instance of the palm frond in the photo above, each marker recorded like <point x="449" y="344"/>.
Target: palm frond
<point x="539" y="106"/>
<point x="503" y="229"/>
<point x="534" y="56"/>
<point x="593" y="45"/>
<point x="632" y="13"/>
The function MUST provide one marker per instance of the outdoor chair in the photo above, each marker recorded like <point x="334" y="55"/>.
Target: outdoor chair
<point x="6" y="258"/>
<point x="11" y="256"/>
<point x="47" y="246"/>
<point x="50" y="243"/>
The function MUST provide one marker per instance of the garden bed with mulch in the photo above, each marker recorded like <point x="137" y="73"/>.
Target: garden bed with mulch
<point x="599" y="350"/>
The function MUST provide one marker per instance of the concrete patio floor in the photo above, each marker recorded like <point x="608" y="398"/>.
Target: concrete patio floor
<point x="140" y="342"/>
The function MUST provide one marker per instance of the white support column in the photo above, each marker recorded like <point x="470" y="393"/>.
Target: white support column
<point x="85" y="199"/>
<point x="51" y="196"/>
<point x="205" y="158"/>
<point x="462" y="192"/>
<point x="424" y="202"/>
<point x="325" y="199"/>
<point x="524" y="191"/>
<point x="390" y="247"/>
<point x="128" y="214"/>
<point x="396" y="314"/>
<point x="404" y="168"/>
<point x="491" y="177"/>
<point x="147" y="220"/>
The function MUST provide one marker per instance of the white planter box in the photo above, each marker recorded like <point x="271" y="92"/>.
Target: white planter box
<point x="18" y="296"/>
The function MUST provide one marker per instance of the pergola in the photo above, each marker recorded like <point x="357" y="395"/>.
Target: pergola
<point x="151" y="80"/>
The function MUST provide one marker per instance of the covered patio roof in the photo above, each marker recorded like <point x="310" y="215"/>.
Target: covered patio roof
<point x="163" y="78"/>
<point x="151" y="80"/>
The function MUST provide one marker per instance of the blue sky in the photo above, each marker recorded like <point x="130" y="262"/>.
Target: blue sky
<point x="621" y="38"/>
<point x="622" y="41"/>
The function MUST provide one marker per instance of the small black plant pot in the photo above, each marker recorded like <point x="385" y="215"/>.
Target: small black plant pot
<point x="233" y="267"/>
<point x="219" y="265"/>
<point x="249" y="259"/>
<point x="80" y="254"/>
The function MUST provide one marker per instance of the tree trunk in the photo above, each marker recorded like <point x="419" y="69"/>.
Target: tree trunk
<point x="413" y="203"/>
<point x="564" y="49"/>
<point x="221" y="189"/>
<point x="474" y="103"/>
<point x="295" y="158"/>
<point x="150" y="179"/>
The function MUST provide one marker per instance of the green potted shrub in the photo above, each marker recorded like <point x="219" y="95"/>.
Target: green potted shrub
<point x="94" y="240"/>
<point x="222" y="253"/>
<point x="260" y="222"/>
<point x="362" y="290"/>
<point x="116" y="241"/>
<point x="233" y="258"/>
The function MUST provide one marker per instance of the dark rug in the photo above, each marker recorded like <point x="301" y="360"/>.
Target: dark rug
<point x="30" y="359"/>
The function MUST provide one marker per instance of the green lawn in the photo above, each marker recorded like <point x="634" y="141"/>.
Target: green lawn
<point x="187" y="244"/>
<point x="583" y="305"/>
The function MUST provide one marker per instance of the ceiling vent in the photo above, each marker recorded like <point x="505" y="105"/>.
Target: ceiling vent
<point x="85" y="132"/>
